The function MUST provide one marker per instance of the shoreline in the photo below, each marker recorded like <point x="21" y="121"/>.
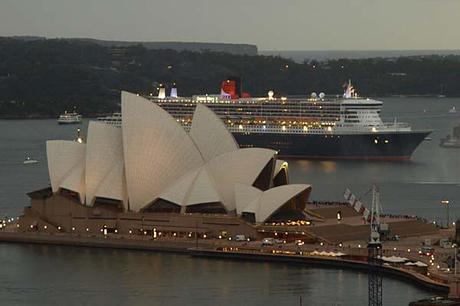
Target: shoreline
<point x="207" y="250"/>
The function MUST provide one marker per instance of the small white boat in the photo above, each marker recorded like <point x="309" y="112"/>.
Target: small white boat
<point x="453" y="110"/>
<point x="69" y="118"/>
<point x="29" y="160"/>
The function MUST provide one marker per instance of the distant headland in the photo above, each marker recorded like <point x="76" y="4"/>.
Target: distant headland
<point x="241" y="49"/>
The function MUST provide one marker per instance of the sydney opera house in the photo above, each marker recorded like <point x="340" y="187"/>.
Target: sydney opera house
<point x="150" y="175"/>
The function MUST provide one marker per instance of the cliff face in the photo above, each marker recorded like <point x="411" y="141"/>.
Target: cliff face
<point x="238" y="49"/>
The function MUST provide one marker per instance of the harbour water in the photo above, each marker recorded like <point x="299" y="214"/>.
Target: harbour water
<point x="56" y="275"/>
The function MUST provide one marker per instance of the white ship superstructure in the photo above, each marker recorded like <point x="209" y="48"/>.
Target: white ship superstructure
<point x="69" y="118"/>
<point x="317" y="114"/>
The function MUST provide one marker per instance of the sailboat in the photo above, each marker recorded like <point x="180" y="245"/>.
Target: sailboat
<point x="29" y="160"/>
<point x="441" y="94"/>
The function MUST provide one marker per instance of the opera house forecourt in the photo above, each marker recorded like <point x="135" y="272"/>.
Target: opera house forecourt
<point x="151" y="177"/>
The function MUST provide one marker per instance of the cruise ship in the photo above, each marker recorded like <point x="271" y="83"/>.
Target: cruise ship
<point x="317" y="126"/>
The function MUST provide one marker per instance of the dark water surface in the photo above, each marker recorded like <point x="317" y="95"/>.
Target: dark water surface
<point x="43" y="275"/>
<point x="50" y="275"/>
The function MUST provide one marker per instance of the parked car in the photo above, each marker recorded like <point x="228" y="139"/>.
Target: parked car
<point x="240" y="238"/>
<point x="268" y="241"/>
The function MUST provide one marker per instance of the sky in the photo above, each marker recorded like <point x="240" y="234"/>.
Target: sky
<point x="269" y="24"/>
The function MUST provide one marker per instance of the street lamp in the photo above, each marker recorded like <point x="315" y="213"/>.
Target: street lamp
<point x="446" y="203"/>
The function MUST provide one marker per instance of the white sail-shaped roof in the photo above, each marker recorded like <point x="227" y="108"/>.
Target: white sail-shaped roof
<point x="179" y="190"/>
<point x="203" y="190"/>
<point x="238" y="167"/>
<point x="104" y="163"/>
<point x="66" y="164"/>
<point x="280" y="164"/>
<point x="272" y="199"/>
<point x="153" y="157"/>
<point x="210" y="134"/>
<point x="265" y="203"/>
<point x="246" y="195"/>
<point x="195" y="187"/>
<point x="157" y="150"/>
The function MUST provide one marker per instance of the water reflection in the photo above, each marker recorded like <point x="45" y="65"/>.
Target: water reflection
<point x="76" y="276"/>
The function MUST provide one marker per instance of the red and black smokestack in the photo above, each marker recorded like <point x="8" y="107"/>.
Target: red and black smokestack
<point x="232" y="86"/>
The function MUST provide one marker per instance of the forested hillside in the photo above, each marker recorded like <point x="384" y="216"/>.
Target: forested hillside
<point x="42" y="78"/>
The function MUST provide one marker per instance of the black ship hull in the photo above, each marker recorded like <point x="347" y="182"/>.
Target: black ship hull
<point x="376" y="146"/>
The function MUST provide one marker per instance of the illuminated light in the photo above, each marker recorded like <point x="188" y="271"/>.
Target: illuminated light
<point x="283" y="128"/>
<point x="116" y="231"/>
<point x="87" y="229"/>
<point x="386" y="141"/>
<point x="340" y="244"/>
<point x="394" y="249"/>
<point x="73" y="228"/>
<point x="329" y="129"/>
<point x="45" y="227"/>
<point x="130" y="231"/>
<point x="305" y="128"/>
<point x="321" y="244"/>
<point x="374" y="129"/>
<point x="240" y="127"/>
<point x="376" y="141"/>
<point x="145" y="232"/>
<point x="204" y="236"/>
<point x="102" y="230"/>
<point x="17" y="225"/>
<point x="408" y="250"/>
<point x="220" y="237"/>
<point x="229" y="238"/>
<point x="31" y="226"/>
<point x="359" y="246"/>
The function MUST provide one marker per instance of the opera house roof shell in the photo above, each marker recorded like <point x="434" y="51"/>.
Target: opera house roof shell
<point x="151" y="162"/>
